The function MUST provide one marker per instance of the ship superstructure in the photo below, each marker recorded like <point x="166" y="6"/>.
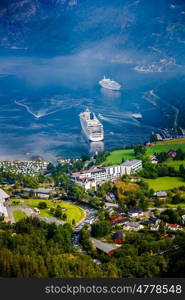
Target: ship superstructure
<point x="107" y="83"/>
<point x="91" y="126"/>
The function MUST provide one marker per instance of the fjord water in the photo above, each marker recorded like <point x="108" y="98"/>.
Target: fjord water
<point x="41" y="98"/>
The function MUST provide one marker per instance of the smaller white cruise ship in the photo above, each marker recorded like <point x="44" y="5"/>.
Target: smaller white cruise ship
<point x="91" y="126"/>
<point x="107" y="83"/>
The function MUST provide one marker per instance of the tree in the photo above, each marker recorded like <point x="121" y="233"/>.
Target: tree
<point x="62" y="180"/>
<point x="180" y="155"/>
<point x="51" y="168"/>
<point x="161" y="157"/>
<point x="181" y="170"/>
<point x="64" y="216"/>
<point x="31" y="194"/>
<point x="85" y="240"/>
<point x="171" y="216"/>
<point x="144" y="203"/>
<point x="85" y="157"/>
<point x="176" y="199"/>
<point x="139" y="150"/>
<point x="58" y="212"/>
<point x="42" y="205"/>
<point x="77" y="191"/>
<point x="101" y="228"/>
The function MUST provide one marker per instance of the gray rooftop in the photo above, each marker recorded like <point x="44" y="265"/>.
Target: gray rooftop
<point x="133" y="224"/>
<point x="39" y="190"/>
<point x="105" y="247"/>
<point x="130" y="163"/>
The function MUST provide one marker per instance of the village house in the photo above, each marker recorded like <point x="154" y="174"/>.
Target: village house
<point x="110" y="205"/>
<point x="173" y="227"/>
<point x="160" y="194"/>
<point x="118" y="237"/>
<point x="154" y="227"/>
<point x="135" y="226"/>
<point x="120" y="222"/>
<point x="105" y="248"/>
<point x="183" y="219"/>
<point x="153" y="159"/>
<point x="135" y="212"/>
<point x="115" y="218"/>
<point x="172" y="153"/>
<point x="148" y="144"/>
<point x="110" y="197"/>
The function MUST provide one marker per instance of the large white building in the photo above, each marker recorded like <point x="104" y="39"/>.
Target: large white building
<point x="87" y="183"/>
<point x="103" y="174"/>
<point x="3" y="209"/>
<point x="131" y="166"/>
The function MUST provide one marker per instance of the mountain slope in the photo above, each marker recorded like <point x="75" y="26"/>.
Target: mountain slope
<point x="128" y="28"/>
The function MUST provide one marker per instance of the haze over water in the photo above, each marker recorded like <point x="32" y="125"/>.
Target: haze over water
<point x="41" y="99"/>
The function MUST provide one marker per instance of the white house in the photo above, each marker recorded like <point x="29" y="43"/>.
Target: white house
<point x="173" y="227"/>
<point x="153" y="159"/>
<point x="154" y="227"/>
<point x="160" y="194"/>
<point x="135" y="212"/>
<point x="183" y="219"/>
<point x="133" y="226"/>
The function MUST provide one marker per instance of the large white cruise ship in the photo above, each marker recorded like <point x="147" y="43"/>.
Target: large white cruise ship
<point x="107" y="83"/>
<point x="91" y="126"/>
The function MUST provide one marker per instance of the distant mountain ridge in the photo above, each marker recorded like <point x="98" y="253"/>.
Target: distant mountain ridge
<point x="130" y="29"/>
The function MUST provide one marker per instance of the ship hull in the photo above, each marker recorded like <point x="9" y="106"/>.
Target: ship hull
<point x="88" y="136"/>
<point x="110" y="88"/>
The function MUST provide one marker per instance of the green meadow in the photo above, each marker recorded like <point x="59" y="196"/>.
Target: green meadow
<point x="72" y="211"/>
<point x="18" y="215"/>
<point x="165" y="183"/>
<point x="175" y="164"/>
<point x="116" y="156"/>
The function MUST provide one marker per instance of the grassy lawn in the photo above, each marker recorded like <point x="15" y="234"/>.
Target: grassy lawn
<point x="175" y="164"/>
<point x="176" y="205"/>
<point x="72" y="211"/>
<point x="164" y="148"/>
<point x="116" y="156"/>
<point x="165" y="183"/>
<point x="19" y="215"/>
